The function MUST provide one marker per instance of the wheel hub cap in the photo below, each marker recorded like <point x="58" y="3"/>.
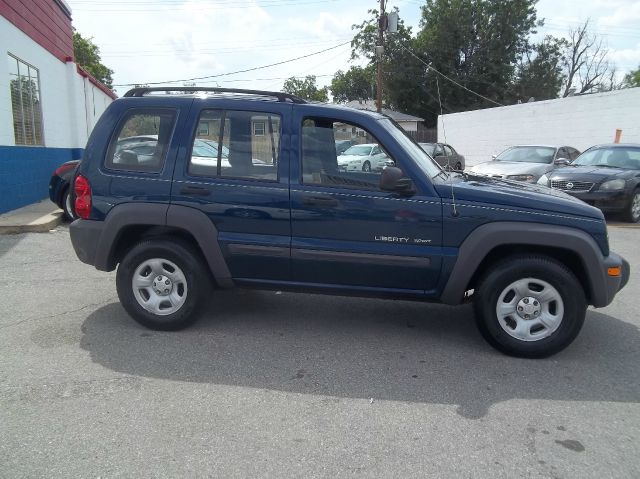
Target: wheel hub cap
<point x="162" y="285"/>
<point x="528" y="308"/>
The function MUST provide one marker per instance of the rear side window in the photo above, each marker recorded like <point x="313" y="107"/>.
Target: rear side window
<point x="142" y="141"/>
<point x="238" y="144"/>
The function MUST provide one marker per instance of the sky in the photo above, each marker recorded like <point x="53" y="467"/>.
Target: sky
<point x="146" y="41"/>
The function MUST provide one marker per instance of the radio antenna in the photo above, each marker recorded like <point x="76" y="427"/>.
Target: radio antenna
<point x="444" y="134"/>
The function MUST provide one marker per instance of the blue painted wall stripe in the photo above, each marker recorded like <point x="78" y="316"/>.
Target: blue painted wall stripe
<point x="25" y="172"/>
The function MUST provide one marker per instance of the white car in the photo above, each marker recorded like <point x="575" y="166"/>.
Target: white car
<point x="366" y="157"/>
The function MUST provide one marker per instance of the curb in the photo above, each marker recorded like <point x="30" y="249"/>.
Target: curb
<point x="40" y="225"/>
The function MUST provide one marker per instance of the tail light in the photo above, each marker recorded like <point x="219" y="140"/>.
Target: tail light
<point x="64" y="168"/>
<point x="82" y="190"/>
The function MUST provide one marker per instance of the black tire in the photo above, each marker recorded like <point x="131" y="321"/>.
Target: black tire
<point x="496" y="281"/>
<point x="182" y="255"/>
<point x="67" y="207"/>
<point x="629" y="214"/>
<point x="458" y="166"/>
<point x="366" y="167"/>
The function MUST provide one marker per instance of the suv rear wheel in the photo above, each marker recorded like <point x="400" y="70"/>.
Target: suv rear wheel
<point x="161" y="283"/>
<point x="530" y="306"/>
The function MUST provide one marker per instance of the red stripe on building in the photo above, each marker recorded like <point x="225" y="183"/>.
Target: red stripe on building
<point x="49" y="28"/>
<point x="97" y="83"/>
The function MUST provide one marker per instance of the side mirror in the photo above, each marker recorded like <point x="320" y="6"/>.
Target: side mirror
<point x="561" y="162"/>
<point x="438" y="153"/>
<point x="493" y="157"/>
<point x="393" y="179"/>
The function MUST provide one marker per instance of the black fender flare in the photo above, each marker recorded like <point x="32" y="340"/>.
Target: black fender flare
<point x="489" y="236"/>
<point x="205" y="233"/>
<point x="190" y="220"/>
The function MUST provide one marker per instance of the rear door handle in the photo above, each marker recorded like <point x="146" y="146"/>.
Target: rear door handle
<point x="194" y="191"/>
<point x="327" y="201"/>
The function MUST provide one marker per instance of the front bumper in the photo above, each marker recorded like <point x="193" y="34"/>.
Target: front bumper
<point x="613" y="284"/>
<point x="607" y="201"/>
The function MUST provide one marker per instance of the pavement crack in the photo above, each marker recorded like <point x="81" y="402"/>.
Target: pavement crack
<point x="55" y="315"/>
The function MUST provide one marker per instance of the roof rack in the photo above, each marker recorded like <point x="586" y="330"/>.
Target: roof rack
<point x="141" y="91"/>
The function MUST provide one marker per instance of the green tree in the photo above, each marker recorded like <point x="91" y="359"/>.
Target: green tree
<point x="87" y="55"/>
<point x="539" y="73"/>
<point x="478" y="44"/>
<point x="402" y="72"/>
<point x="632" y="78"/>
<point x="306" y="89"/>
<point x="357" y="83"/>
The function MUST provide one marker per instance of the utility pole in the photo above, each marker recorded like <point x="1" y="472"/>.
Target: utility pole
<point x="379" y="52"/>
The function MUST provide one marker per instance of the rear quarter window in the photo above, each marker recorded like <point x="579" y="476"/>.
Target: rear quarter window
<point x="141" y="141"/>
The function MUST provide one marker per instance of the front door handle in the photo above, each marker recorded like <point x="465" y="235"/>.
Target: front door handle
<point x="327" y="201"/>
<point x="194" y="191"/>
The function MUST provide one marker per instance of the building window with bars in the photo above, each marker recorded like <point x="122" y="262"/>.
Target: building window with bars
<point x="258" y="128"/>
<point x="24" y="83"/>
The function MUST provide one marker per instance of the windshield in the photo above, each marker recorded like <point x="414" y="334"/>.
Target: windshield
<point x="208" y="149"/>
<point x="618" y="157"/>
<point x="358" y="150"/>
<point x="528" y="154"/>
<point x="200" y="148"/>
<point x="419" y="156"/>
<point x="428" y="147"/>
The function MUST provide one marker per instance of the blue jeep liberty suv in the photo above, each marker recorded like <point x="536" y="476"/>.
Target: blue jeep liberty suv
<point x="202" y="188"/>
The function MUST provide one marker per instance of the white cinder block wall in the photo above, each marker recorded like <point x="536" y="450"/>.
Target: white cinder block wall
<point x="578" y="121"/>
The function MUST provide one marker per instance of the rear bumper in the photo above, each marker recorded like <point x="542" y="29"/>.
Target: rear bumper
<point x="85" y="237"/>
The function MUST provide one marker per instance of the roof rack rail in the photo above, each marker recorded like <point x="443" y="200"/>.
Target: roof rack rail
<point x="141" y="91"/>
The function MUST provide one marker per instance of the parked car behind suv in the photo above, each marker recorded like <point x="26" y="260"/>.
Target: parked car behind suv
<point x="527" y="162"/>
<point x="605" y="176"/>
<point x="530" y="260"/>
<point x="444" y="155"/>
<point x="59" y="188"/>
<point x="364" y="157"/>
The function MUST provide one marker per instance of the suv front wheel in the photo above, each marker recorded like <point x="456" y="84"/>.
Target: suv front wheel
<point x="161" y="284"/>
<point x="530" y="306"/>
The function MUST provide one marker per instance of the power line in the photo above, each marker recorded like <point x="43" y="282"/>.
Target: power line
<point x="238" y="71"/>
<point x="208" y="51"/>
<point x="446" y="77"/>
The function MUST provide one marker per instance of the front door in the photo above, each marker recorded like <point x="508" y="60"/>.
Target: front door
<point x="345" y="230"/>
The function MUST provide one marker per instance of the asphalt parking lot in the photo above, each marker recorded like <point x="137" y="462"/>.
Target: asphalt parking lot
<point x="293" y="385"/>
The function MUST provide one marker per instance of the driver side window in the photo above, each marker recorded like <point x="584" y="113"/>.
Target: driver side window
<point x="359" y="166"/>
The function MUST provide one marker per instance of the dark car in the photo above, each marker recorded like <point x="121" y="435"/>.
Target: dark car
<point x="179" y="226"/>
<point x="59" y="191"/>
<point x="445" y="155"/>
<point x="605" y="176"/>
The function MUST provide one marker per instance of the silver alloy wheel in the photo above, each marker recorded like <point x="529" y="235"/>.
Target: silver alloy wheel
<point x="159" y="286"/>
<point x="635" y="206"/>
<point x="366" y="167"/>
<point x="530" y="309"/>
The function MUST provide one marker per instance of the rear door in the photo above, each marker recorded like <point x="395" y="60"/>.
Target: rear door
<point x="235" y="170"/>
